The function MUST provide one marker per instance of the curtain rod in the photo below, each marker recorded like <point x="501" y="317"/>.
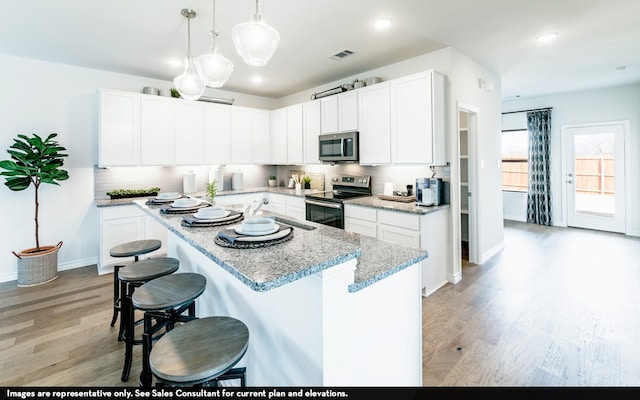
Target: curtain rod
<point x="534" y="109"/>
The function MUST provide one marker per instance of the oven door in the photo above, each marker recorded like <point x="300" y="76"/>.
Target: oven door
<point x="326" y="213"/>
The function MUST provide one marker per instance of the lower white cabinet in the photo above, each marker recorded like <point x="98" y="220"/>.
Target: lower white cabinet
<point x="428" y="232"/>
<point x="291" y="206"/>
<point x="120" y="224"/>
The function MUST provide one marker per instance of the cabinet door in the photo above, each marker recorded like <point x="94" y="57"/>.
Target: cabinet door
<point x="401" y="236"/>
<point x="157" y="130"/>
<point x="412" y="120"/>
<point x="294" y="135"/>
<point x="241" y="135"/>
<point x="189" y="133"/>
<point x="118" y="225"/>
<point x="329" y="114"/>
<point x="279" y="136"/>
<point x="119" y="128"/>
<point x="296" y="208"/>
<point x="348" y="111"/>
<point x="260" y="137"/>
<point x="311" y="120"/>
<point x="375" y="125"/>
<point x="217" y="134"/>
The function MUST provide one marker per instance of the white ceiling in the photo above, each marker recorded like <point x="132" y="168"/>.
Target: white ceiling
<point x="138" y="37"/>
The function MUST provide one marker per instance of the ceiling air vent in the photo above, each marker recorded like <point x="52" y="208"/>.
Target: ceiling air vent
<point x="341" y="54"/>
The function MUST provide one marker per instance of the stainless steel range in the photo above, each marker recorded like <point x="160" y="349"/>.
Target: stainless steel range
<point x="327" y="207"/>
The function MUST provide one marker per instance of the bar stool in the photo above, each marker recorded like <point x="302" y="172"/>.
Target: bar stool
<point x="136" y="274"/>
<point x="133" y="249"/>
<point x="163" y="300"/>
<point x="203" y="351"/>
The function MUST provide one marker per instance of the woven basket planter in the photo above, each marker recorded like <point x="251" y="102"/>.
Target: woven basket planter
<point x="37" y="267"/>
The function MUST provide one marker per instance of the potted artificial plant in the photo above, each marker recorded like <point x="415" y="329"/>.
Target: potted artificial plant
<point x="306" y="182"/>
<point x="273" y="181"/>
<point x="35" y="161"/>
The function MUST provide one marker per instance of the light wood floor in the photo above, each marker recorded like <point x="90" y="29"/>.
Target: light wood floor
<point x="557" y="307"/>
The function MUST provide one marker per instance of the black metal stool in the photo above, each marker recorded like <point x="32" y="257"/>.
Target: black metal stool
<point x="163" y="300"/>
<point x="138" y="273"/>
<point x="133" y="249"/>
<point x="201" y="352"/>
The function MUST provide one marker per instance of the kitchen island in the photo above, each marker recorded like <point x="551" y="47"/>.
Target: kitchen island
<point x="326" y="308"/>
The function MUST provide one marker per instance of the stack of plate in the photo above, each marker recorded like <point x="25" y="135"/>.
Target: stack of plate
<point x="185" y="203"/>
<point x="257" y="227"/>
<point x="211" y="213"/>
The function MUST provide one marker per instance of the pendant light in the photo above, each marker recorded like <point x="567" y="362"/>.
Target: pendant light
<point x="213" y="67"/>
<point x="255" y="40"/>
<point x="189" y="84"/>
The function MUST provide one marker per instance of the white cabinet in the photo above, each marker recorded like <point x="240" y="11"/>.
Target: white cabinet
<point x="375" y="125"/>
<point x="284" y="204"/>
<point x="311" y="120"/>
<point x="249" y="136"/>
<point x="339" y="112"/>
<point x="120" y="224"/>
<point x="189" y="133"/>
<point x="428" y="232"/>
<point x="277" y="203"/>
<point x="157" y="130"/>
<point x="119" y="128"/>
<point x="418" y="119"/>
<point x="260" y="137"/>
<point x="217" y="134"/>
<point x="287" y="135"/>
<point x="279" y="136"/>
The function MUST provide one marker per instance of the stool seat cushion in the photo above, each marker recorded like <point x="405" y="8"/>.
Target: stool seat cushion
<point x="135" y="248"/>
<point x="200" y="350"/>
<point x="148" y="269"/>
<point x="169" y="291"/>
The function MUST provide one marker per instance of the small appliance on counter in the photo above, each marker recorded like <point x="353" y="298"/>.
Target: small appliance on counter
<point x="429" y="191"/>
<point x="237" y="180"/>
<point x="189" y="183"/>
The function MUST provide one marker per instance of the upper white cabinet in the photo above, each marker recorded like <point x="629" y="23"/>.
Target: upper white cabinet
<point x="418" y="119"/>
<point x="287" y="135"/>
<point x="119" y="128"/>
<point x="217" y="134"/>
<point x="249" y="136"/>
<point x="157" y="130"/>
<point x="340" y="112"/>
<point x="311" y="120"/>
<point x="189" y="133"/>
<point x="375" y="125"/>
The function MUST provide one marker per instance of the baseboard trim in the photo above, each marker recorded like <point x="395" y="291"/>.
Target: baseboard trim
<point x="487" y="255"/>
<point x="61" y="267"/>
<point x="454" y="278"/>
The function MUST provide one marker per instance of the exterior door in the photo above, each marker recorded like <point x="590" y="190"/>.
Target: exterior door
<point x="595" y="175"/>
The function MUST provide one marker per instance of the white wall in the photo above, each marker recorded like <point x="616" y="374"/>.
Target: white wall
<point x="43" y="97"/>
<point x="608" y="104"/>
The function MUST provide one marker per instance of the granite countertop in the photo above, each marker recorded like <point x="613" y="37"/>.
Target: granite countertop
<point x="308" y="252"/>
<point x="412" y="208"/>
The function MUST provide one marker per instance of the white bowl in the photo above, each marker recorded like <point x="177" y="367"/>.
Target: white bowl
<point x="258" y="224"/>
<point x="168" y="195"/>
<point x="211" y="212"/>
<point x="188" y="202"/>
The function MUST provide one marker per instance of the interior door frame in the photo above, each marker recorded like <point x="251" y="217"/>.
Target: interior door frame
<point x="472" y="114"/>
<point x="626" y="124"/>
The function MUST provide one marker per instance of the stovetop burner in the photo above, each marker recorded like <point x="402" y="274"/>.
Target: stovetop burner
<point x="345" y="187"/>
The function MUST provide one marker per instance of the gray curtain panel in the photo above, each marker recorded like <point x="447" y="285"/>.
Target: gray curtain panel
<point x="539" y="196"/>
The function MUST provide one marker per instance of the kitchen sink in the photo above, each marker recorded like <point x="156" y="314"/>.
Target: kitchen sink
<point x="295" y="224"/>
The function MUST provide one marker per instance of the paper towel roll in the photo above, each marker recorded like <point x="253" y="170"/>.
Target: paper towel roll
<point x="388" y="188"/>
<point x="189" y="182"/>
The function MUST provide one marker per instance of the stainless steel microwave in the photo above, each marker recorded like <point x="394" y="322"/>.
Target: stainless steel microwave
<point x="339" y="147"/>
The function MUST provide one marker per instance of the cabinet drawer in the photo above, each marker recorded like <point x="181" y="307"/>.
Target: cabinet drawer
<point x="401" y="236"/>
<point x="402" y="220"/>
<point x="115" y="212"/>
<point x="365" y="213"/>
<point x="362" y="227"/>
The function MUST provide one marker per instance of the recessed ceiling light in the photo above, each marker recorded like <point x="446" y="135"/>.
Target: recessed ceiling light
<point x="175" y="62"/>
<point x="548" y="37"/>
<point x="256" y="79"/>
<point x="383" y="23"/>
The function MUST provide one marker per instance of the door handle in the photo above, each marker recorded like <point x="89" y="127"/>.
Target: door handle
<point x="570" y="181"/>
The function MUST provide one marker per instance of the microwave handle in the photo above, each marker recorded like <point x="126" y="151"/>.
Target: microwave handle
<point x="343" y="145"/>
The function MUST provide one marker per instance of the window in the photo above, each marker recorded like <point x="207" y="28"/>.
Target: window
<point x="515" y="166"/>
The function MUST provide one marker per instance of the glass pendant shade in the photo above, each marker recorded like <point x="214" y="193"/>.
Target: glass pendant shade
<point x="255" y="41"/>
<point x="213" y="67"/>
<point x="189" y="84"/>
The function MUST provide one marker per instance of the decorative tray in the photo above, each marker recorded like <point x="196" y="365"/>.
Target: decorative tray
<point x="254" y="242"/>
<point x="192" y="222"/>
<point x="402" y="199"/>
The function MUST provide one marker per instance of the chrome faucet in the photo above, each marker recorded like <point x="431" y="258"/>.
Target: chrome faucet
<point x="255" y="206"/>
